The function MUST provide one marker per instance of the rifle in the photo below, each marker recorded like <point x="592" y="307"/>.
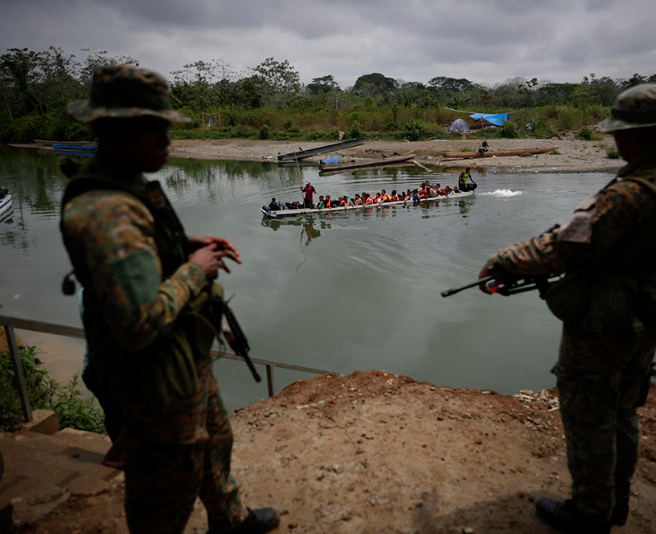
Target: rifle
<point x="224" y="319"/>
<point x="507" y="285"/>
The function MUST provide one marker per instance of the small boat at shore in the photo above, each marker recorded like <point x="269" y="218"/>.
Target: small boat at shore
<point x="6" y="208"/>
<point x="274" y="214"/>
<point x="498" y="153"/>
<point x="358" y="165"/>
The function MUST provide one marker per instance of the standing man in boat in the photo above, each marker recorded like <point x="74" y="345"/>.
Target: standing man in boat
<point x="462" y="181"/>
<point x="146" y="312"/>
<point x="308" y="190"/>
<point x="608" y="308"/>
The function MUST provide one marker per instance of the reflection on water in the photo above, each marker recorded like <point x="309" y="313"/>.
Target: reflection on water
<point x="339" y="291"/>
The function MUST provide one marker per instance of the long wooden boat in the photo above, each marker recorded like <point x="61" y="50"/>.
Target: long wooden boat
<point x="498" y="153"/>
<point x="295" y="213"/>
<point x="301" y="154"/>
<point x="374" y="163"/>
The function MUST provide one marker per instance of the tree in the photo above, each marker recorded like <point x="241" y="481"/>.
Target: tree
<point x="279" y="82"/>
<point x="96" y="59"/>
<point x="374" y="84"/>
<point x="323" y="85"/>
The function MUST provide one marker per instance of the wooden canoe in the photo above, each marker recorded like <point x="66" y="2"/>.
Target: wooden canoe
<point x="498" y="153"/>
<point x="374" y="163"/>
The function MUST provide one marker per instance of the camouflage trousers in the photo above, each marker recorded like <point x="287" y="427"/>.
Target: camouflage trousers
<point x="175" y="455"/>
<point x="599" y="383"/>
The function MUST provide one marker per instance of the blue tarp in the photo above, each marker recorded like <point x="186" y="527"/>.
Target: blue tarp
<point x="497" y="120"/>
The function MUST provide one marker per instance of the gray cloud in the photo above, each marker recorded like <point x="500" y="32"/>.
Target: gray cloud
<point x="414" y="40"/>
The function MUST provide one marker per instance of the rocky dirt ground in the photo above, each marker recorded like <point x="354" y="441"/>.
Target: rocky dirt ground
<point x="378" y="453"/>
<point x="572" y="155"/>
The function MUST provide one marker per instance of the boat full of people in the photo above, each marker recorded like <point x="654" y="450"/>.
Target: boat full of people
<point x="425" y="193"/>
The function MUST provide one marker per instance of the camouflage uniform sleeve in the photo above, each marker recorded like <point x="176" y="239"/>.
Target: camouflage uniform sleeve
<point x="599" y="225"/>
<point x="114" y="233"/>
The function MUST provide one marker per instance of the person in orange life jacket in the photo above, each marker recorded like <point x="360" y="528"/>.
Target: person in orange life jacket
<point x="308" y="190"/>
<point x="358" y="200"/>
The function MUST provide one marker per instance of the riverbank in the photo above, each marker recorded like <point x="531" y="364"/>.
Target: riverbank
<point x="572" y="155"/>
<point x="374" y="452"/>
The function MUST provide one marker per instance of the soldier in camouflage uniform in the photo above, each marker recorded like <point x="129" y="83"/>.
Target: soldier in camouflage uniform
<point x="607" y="304"/>
<point x="146" y="313"/>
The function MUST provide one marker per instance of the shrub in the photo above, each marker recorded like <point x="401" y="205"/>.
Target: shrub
<point x="415" y="130"/>
<point x="44" y="392"/>
<point x="355" y="132"/>
<point x="585" y="134"/>
<point x="613" y="153"/>
<point x="264" y="132"/>
<point x="509" y="130"/>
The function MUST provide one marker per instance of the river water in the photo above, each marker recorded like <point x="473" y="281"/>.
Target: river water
<point x="339" y="292"/>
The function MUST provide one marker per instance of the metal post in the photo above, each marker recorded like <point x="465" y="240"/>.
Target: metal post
<point x="18" y="372"/>
<point x="269" y="371"/>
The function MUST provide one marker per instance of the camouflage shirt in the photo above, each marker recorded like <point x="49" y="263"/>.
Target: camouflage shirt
<point x="604" y="230"/>
<point x="114" y="233"/>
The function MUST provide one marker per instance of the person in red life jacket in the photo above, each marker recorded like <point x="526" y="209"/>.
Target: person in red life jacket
<point x="308" y="190"/>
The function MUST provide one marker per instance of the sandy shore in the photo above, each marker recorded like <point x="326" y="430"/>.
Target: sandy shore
<point x="572" y="154"/>
<point x="377" y="453"/>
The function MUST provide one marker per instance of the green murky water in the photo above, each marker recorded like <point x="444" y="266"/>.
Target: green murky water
<point x="340" y="292"/>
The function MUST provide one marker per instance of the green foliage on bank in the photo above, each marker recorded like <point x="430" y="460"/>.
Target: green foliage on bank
<point x="72" y="408"/>
<point x="269" y="101"/>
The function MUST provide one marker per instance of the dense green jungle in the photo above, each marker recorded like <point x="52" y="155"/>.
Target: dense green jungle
<point x="269" y="101"/>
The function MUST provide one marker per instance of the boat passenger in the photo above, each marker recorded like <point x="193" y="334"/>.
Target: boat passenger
<point x="415" y="195"/>
<point x="448" y="190"/>
<point x="349" y="202"/>
<point x="378" y="199"/>
<point x="321" y="204"/>
<point x="384" y="197"/>
<point x="274" y="206"/>
<point x="308" y="190"/>
<point x="328" y="202"/>
<point x="369" y="199"/>
<point x="358" y="200"/>
<point x="462" y="181"/>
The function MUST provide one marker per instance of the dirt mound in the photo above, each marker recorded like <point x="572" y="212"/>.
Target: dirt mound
<point x="373" y="452"/>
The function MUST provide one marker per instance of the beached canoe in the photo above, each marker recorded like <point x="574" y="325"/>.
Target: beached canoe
<point x="374" y="163"/>
<point x="295" y="213"/>
<point x="498" y="153"/>
<point x="301" y="154"/>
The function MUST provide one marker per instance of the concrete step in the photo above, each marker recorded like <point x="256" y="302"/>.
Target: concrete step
<point x="91" y="441"/>
<point x="41" y="471"/>
<point x="64" y="453"/>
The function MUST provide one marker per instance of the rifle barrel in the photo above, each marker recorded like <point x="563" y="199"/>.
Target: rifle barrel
<point x="455" y="290"/>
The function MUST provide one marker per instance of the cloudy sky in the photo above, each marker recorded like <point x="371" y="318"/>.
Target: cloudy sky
<point x="486" y="41"/>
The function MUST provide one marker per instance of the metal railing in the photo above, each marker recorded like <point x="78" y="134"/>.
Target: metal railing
<point x="10" y="323"/>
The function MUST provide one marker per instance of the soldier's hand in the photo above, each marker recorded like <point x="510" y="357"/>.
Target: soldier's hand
<point x="485" y="272"/>
<point x="211" y="260"/>
<point x="219" y="242"/>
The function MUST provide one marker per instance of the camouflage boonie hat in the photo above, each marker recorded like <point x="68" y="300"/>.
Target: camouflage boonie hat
<point x="124" y="91"/>
<point x="634" y="108"/>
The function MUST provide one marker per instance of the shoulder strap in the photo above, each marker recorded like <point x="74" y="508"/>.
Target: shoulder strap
<point x="647" y="183"/>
